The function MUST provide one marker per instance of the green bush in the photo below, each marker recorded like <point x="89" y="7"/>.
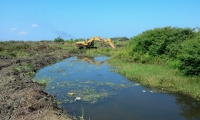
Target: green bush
<point x="59" y="39"/>
<point x="176" y="47"/>
<point x="190" y="57"/>
<point x="160" y="41"/>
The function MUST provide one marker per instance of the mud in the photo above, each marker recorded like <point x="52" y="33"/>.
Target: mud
<point x="23" y="99"/>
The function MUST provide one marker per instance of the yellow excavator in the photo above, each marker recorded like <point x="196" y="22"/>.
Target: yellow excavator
<point x="90" y="42"/>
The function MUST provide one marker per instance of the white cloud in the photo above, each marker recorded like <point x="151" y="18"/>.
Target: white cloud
<point x="34" y="25"/>
<point x="13" y="29"/>
<point x="23" y="33"/>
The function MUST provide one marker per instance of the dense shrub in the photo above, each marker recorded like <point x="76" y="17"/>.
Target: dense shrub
<point x="161" y="41"/>
<point x="190" y="57"/>
<point x="178" y="46"/>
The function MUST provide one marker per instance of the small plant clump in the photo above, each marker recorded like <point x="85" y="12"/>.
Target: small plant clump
<point x="27" y="69"/>
<point x="43" y="81"/>
<point x="59" y="39"/>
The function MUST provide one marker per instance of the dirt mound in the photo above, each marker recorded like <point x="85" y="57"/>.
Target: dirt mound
<point x="23" y="99"/>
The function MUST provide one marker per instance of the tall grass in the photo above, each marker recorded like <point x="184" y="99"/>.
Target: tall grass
<point x="159" y="77"/>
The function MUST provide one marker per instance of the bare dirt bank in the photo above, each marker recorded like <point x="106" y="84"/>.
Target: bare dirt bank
<point x="23" y="99"/>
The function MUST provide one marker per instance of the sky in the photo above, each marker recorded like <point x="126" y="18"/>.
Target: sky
<point x="33" y="20"/>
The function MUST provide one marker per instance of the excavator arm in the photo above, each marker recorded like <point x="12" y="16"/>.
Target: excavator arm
<point x="110" y="42"/>
<point x="90" y="42"/>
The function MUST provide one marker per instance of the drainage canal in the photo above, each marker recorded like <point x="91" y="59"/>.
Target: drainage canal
<point x="89" y="89"/>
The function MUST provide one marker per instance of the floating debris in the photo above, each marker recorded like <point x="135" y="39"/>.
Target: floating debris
<point x="71" y="93"/>
<point x="136" y="84"/>
<point x="53" y="87"/>
<point x="77" y="98"/>
<point x="151" y="91"/>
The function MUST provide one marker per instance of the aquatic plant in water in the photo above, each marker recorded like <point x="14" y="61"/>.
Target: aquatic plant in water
<point x="44" y="80"/>
<point x="88" y="95"/>
<point x="90" y="91"/>
<point x="82" y="116"/>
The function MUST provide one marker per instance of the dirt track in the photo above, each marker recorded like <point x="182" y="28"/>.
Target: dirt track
<point x="23" y="99"/>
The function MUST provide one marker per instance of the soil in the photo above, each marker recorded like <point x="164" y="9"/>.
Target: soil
<point x="23" y="99"/>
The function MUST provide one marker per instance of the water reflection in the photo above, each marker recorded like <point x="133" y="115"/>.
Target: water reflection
<point x="87" y="83"/>
<point x="90" y="60"/>
<point x="190" y="108"/>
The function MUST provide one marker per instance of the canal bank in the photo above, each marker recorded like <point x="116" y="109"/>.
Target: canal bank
<point x="21" y="98"/>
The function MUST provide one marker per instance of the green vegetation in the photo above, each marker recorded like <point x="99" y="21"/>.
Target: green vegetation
<point x="164" y="58"/>
<point x="100" y="51"/>
<point x="91" y="95"/>
<point x="119" y="39"/>
<point x="82" y="116"/>
<point x="27" y="69"/>
<point x="86" y="91"/>
<point x="21" y="49"/>
<point x="44" y="80"/>
<point x="59" y="39"/>
<point x="177" y="47"/>
<point x="158" y="77"/>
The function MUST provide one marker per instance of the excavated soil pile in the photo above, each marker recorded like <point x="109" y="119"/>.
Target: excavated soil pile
<point x="23" y="99"/>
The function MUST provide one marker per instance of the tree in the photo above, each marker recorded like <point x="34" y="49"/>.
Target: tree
<point x="59" y="39"/>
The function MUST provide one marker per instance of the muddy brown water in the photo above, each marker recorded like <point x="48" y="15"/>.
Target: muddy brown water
<point x="88" y="87"/>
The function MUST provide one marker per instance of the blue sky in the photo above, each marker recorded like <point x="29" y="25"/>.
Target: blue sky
<point x="48" y="19"/>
